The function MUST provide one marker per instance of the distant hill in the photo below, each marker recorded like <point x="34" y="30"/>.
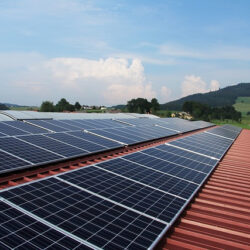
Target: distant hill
<point x="13" y="105"/>
<point x="222" y="97"/>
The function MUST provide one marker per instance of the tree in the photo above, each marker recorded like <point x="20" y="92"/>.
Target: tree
<point x="155" y="105"/>
<point x="64" y="105"/>
<point x="139" y="105"/>
<point x="47" y="107"/>
<point x="77" y="106"/>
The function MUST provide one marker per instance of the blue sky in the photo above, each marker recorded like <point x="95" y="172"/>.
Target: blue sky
<point x="107" y="52"/>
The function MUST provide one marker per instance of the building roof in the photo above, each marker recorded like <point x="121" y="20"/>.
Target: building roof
<point x="219" y="217"/>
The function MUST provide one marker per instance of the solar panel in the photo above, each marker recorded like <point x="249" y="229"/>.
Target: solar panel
<point x="86" y="216"/>
<point x="223" y="132"/>
<point x="61" y="124"/>
<point x="9" y="162"/>
<point x="8" y="130"/>
<point x="96" y="139"/>
<point x="186" y="154"/>
<point x="204" y="143"/>
<point x="48" y="126"/>
<point x="150" y="177"/>
<point x="203" y="149"/>
<point x="26" y="127"/>
<point x="2" y="135"/>
<point x="128" y="133"/>
<point x="76" y="124"/>
<point x="54" y="146"/>
<point x="141" y="198"/>
<point x="133" y="135"/>
<point x="166" y="167"/>
<point x="20" y="231"/>
<point x="110" y="134"/>
<point x="26" y="151"/>
<point x="78" y="142"/>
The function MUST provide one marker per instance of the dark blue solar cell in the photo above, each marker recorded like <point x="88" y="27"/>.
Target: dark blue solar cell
<point x="8" y="130"/>
<point x="78" y="142"/>
<point x="161" y="181"/>
<point x="195" y="147"/>
<point x="140" y="197"/>
<point x="10" y="162"/>
<point x="86" y="216"/>
<point x="48" y="126"/>
<point x="77" y="124"/>
<point x="96" y="139"/>
<point x="24" y="232"/>
<point x="27" y="151"/>
<point x="26" y="127"/>
<point x="166" y="167"/>
<point x="114" y="135"/>
<point x="63" y="125"/>
<point x="183" y="153"/>
<point x="54" y="146"/>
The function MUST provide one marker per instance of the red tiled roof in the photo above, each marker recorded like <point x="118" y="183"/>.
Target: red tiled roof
<point x="219" y="217"/>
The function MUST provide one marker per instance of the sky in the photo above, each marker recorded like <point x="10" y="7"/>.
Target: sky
<point x="108" y="52"/>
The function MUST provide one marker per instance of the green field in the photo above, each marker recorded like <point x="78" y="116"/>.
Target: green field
<point x="242" y="105"/>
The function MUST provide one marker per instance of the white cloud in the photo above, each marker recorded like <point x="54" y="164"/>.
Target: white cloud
<point x="118" y="79"/>
<point x="165" y="94"/>
<point x="104" y="81"/>
<point x="194" y="84"/>
<point x="214" y="85"/>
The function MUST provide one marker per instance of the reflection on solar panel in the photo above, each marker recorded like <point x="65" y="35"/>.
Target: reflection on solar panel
<point x="54" y="146"/>
<point x="26" y="127"/>
<point x="2" y="134"/>
<point x="27" y="151"/>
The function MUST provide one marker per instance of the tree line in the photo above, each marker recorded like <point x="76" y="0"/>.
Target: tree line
<point x="142" y="106"/>
<point x="62" y="105"/>
<point x="208" y="113"/>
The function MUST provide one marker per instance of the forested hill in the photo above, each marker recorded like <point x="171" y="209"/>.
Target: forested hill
<point x="221" y="97"/>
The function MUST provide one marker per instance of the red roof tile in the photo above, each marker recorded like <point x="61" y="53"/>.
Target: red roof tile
<point x="219" y="217"/>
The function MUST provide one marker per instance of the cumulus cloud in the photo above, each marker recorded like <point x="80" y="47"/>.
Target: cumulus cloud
<point x="165" y="93"/>
<point x="119" y="80"/>
<point x="194" y="84"/>
<point x="104" y="81"/>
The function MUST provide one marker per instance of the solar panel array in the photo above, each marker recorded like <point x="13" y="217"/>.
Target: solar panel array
<point x="127" y="202"/>
<point x="36" y="142"/>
